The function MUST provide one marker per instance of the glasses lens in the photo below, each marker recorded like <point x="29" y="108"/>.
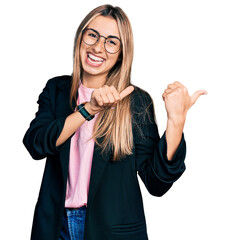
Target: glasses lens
<point x="90" y="37"/>
<point x="112" y="45"/>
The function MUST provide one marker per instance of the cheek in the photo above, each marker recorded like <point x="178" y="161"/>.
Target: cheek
<point x="82" y="55"/>
<point x="83" y="49"/>
<point x="114" y="60"/>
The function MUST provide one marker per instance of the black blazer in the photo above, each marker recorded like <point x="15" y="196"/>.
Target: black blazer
<point x="115" y="208"/>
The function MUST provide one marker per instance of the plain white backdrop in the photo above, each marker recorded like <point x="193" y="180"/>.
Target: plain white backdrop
<point x="186" y="41"/>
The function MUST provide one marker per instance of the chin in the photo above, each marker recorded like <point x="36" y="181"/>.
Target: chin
<point x="94" y="72"/>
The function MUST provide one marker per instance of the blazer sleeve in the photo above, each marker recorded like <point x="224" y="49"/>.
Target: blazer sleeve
<point x="156" y="171"/>
<point x="44" y="130"/>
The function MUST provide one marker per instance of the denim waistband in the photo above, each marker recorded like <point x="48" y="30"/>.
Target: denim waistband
<point x="75" y="211"/>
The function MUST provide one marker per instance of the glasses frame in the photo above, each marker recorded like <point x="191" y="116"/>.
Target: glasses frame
<point x="98" y="34"/>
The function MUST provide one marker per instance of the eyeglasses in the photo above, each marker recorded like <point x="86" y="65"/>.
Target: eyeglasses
<point x="112" y="44"/>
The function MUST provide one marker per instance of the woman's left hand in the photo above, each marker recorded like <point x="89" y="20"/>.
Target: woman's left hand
<point x="178" y="101"/>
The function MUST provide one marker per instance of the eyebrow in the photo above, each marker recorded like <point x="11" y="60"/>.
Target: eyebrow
<point x="111" y="36"/>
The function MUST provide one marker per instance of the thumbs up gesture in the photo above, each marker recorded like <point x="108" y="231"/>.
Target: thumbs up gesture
<point x="106" y="97"/>
<point x="178" y="101"/>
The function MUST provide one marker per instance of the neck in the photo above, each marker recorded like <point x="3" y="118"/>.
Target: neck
<point x="93" y="81"/>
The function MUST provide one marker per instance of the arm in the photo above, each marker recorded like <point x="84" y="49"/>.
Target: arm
<point x="72" y="123"/>
<point x="40" y="139"/>
<point x="48" y="134"/>
<point x="173" y="135"/>
<point x="157" y="173"/>
<point x="98" y="102"/>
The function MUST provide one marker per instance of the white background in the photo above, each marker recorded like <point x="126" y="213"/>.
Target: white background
<point x="187" y="41"/>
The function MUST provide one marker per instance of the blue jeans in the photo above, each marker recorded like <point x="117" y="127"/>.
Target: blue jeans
<point x="73" y="224"/>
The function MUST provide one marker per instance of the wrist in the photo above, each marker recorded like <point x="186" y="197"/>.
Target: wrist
<point x="176" y="123"/>
<point x="90" y="109"/>
<point x="82" y="110"/>
<point x="177" y="119"/>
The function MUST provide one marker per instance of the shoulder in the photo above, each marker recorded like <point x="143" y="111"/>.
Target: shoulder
<point x="56" y="86"/>
<point x="142" y="106"/>
<point x="61" y="82"/>
<point x="140" y="96"/>
<point x="140" y="100"/>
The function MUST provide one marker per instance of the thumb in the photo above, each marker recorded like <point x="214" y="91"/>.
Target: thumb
<point x="196" y="95"/>
<point x="126" y="91"/>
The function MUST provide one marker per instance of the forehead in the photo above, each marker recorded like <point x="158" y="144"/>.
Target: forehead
<point x="105" y="25"/>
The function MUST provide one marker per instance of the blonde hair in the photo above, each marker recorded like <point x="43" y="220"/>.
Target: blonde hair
<point x="115" y="125"/>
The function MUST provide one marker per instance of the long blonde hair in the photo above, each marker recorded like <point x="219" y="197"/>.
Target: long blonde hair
<point x="115" y="125"/>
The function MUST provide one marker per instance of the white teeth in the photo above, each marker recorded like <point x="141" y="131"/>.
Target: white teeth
<point x="95" y="58"/>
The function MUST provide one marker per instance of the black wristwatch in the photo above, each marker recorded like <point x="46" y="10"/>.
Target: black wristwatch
<point x="81" y="109"/>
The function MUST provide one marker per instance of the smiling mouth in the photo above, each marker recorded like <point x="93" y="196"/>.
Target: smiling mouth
<point x="93" y="60"/>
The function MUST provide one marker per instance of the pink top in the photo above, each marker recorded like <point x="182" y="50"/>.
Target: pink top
<point x="81" y="155"/>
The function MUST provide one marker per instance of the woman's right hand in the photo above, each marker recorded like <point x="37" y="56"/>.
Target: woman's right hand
<point x="105" y="98"/>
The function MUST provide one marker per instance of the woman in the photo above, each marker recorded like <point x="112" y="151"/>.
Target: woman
<point x="97" y="131"/>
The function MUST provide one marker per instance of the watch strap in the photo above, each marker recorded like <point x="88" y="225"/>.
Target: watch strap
<point x="84" y="112"/>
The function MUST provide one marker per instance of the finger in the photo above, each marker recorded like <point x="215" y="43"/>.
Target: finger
<point x="172" y="86"/>
<point x="110" y="97"/>
<point x="116" y="94"/>
<point x="178" y="84"/>
<point x="168" y="90"/>
<point x="113" y="96"/>
<point x="126" y="92"/>
<point x="196" y="95"/>
<point x="103" y="95"/>
<point x="105" y="99"/>
<point x="164" y="95"/>
<point x="97" y="98"/>
<point x="169" y="93"/>
<point x="107" y="94"/>
<point x="104" y="92"/>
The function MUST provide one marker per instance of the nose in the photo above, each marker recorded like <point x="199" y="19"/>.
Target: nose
<point x="99" y="46"/>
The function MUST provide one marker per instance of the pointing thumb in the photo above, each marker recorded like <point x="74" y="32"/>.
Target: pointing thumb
<point x="196" y="95"/>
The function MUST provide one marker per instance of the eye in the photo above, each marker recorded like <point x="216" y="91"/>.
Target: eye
<point x="111" y="42"/>
<point x="93" y="35"/>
